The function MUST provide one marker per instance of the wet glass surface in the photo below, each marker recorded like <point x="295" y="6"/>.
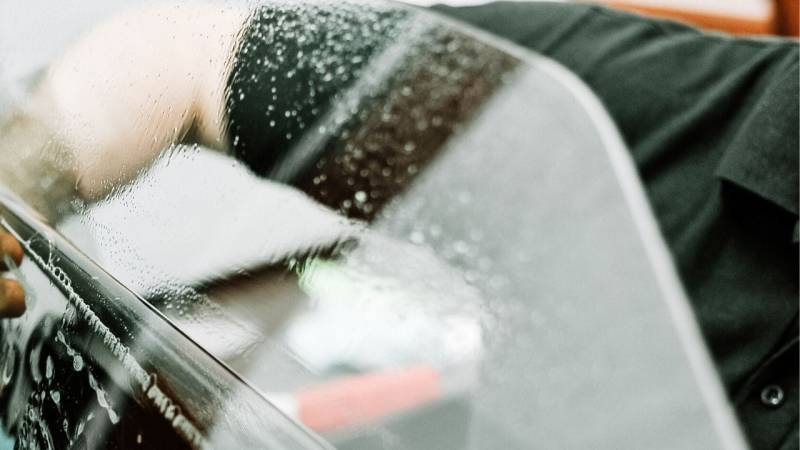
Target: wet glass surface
<point x="446" y="248"/>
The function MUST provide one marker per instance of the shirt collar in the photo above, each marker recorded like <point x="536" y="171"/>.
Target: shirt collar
<point x="763" y="155"/>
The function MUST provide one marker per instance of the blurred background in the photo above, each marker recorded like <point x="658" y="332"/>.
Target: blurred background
<point x="777" y="17"/>
<point x="763" y="17"/>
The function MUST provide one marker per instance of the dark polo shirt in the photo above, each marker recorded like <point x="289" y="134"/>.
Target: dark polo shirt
<point x="712" y="124"/>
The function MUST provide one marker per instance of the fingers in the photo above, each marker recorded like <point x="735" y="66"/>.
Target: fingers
<point x="9" y="246"/>
<point x="12" y="298"/>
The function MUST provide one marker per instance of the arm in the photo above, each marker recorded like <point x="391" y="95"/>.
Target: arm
<point x="160" y="80"/>
<point x="127" y="89"/>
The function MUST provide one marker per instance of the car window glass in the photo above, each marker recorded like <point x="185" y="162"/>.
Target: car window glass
<point x="427" y="242"/>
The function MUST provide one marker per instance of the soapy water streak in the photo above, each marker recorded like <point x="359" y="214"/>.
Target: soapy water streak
<point x="165" y="405"/>
<point x="77" y="359"/>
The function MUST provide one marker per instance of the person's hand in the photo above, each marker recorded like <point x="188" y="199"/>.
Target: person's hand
<point x="135" y="84"/>
<point x="12" y="296"/>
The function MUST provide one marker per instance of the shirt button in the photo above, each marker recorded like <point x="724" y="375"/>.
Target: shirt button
<point x="772" y="396"/>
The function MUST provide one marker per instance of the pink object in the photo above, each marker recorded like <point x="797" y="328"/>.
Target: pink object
<point x="364" y="398"/>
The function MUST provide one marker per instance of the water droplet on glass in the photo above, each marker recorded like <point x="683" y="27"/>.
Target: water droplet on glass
<point x="77" y="363"/>
<point x="48" y="371"/>
<point x="56" y="397"/>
